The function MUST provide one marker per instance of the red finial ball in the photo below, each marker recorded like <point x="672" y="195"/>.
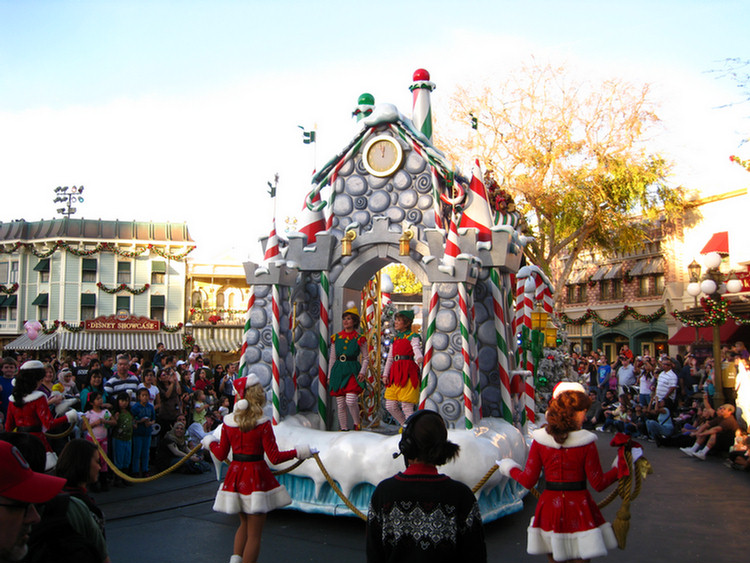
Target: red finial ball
<point x="421" y="74"/>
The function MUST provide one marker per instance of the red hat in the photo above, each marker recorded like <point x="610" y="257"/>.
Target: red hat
<point x="239" y="387"/>
<point x="20" y="483"/>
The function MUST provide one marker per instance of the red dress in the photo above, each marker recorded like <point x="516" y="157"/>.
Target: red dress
<point x="567" y="523"/>
<point x="249" y="486"/>
<point x="34" y="417"/>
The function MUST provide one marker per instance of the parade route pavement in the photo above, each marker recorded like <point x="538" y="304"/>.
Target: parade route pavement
<point x="688" y="511"/>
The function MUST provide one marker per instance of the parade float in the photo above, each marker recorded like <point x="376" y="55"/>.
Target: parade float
<point x="390" y="196"/>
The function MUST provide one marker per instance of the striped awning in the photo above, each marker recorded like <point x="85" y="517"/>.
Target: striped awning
<point x="599" y="274"/>
<point x="120" y="341"/>
<point x="41" y="342"/>
<point x="219" y="339"/>
<point x="614" y="272"/>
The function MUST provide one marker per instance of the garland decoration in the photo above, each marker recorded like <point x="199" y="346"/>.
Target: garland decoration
<point x="170" y="329"/>
<point x="716" y="312"/>
<point x="188" y="341"/>
<point x="626" y="310"/>
<point x="71" y="328"/>
<point x="737" y="160"/>
<point x="212" y="310"/>
<point x="51" y="329"/>
<point x="101" y="247"/>
<point x="9" y="290"/>
<point x="122" y="287"/>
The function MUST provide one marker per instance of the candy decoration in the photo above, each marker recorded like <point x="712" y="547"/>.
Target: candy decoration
<point x="466" y="367"/>
<point x="365" y="105"/>
<point x="429" y="350"/>
<point x="422" y="110"/>
<point x="243" y="359"/>
<point x="452" y="250"/>
<point x="477" y="211"/>
<point x="503" y="359"/>
<point x="529" y="405"/>
<point x="325" y="292"/>
<point x="313" y="219"/>
<point x="275" y="357"/>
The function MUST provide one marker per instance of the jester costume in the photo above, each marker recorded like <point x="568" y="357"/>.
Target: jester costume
<point x="346" y="348"/>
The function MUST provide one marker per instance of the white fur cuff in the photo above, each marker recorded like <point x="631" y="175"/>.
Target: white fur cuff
<point x="72" y="417"/>
<point x="505" y="465"/>
<point x="303" y="451"/>
<point x="207" y="439"/>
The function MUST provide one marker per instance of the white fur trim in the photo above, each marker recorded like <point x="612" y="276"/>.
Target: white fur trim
<point x="567" y="386"/>
<point x="505" y="465"/>
<point x="577" y="545"/>
<point x="32" y="364"/>
<point x="50" y="461"/>
<point x="230" y="421"/>
<point x="258" y="502"/>
<point x="575" y="439"/>
<point x="241" y="405"/>
<point x="303" y="451"/>
<point x="33" y="396"/>
<point x="251" y="380"/>
<point x="207" y="440"/>
<point x="72" y="417"/>
<point x="235" y="559"/>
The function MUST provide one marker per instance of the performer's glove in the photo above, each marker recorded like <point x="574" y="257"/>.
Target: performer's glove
<point x="505" y="465"/>
<point x="207" y="440"/>
<point x="304" y="451"/>
<point x="73" y="416"/>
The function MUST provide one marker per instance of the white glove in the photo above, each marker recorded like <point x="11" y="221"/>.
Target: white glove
<point x="505" y="465"/>
<point x="304" y="451"/>
<point x="73" y="416"/>
<point x="207" y="440"/>
<point x="616" y="461"/>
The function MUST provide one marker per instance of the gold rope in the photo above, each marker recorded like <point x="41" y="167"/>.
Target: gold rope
<point x="336" y="489"/>
<point x="63" y="434"/>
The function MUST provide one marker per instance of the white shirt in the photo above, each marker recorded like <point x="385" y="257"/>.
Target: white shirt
<point x="667" y="379"/>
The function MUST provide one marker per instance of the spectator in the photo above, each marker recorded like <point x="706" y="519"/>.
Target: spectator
<point x="99" y="419"/>
<point x="741" y="350"/>
<point x="9" y="368"/>
<point x="170" y="404"/>
<point x="95" y="383"/>
<point x="123" y="380"/>
<point x="122" y="437"/>
<point x="594" y="414"/>
<point x="160" y="353"/>
<point x="81" y="371"/>
<point x="149" y="383"/>
<point x="107" y="362"/>
<point x="719" y="435"/>
<point x="603" y="373"/>
<point x="21" y="489"/>
<point x="666" y="383"/>
<point x="144" y="417"/>
<point x="659" y="424"/>
<point x="646" y="382"/>
<point x="625" y="375"/>
<point x="174" y="447"/>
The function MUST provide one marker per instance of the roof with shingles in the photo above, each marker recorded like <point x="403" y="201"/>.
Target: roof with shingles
<point x="95" y="229"/>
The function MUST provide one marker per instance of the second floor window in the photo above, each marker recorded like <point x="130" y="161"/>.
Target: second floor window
<point x="122" y="303"/>
<point x="123" y="272"/>
<point x="88" y="270"/>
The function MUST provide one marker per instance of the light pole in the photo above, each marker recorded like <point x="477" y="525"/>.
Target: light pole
<point x="68" y="196"/>
<point x="714" y="284"/>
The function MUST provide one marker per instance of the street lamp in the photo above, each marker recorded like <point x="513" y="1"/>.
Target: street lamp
<point x="68" y="196"/>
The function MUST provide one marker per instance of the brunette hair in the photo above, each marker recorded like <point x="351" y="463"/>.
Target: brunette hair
<point x="74" y="463"/>
<point x="561" y="414"/>
<point x="247" y="419"/>
<point x="27" y="380"/>
<point x="431" y="439"/>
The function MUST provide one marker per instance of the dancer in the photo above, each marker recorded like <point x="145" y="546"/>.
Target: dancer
<point x="249" y="488"/>
<point x="401" y="374"/>
<point x="420" y="514"/>
<point x="346" y="376"/>
<point x="567" y="525"/>
<point x="28" y="410"/>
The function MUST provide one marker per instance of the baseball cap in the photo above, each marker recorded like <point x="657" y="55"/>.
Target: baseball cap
<point x="20" y="483"/>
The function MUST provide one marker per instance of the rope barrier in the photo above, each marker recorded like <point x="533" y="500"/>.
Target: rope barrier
<point x="336" y="489"/>
<point x="63" y="434"/>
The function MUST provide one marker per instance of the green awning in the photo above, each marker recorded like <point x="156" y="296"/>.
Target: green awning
<point x="42" y="265"/>
<point x="11" y="301"/>
<point x="88" y="265"/>
<point x="42" y="299"/>
<point x="158" y="267"/>
<point x="88" y="300"/>
<point x="157" y="301"/>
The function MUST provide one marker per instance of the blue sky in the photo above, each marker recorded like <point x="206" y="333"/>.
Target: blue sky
<point x="183" y="110"/>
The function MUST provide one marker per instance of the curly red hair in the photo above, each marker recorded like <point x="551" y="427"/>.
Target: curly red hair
<point x="561" y="414"/>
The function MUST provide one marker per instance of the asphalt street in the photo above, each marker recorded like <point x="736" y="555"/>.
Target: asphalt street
<point x="688" y="511"/>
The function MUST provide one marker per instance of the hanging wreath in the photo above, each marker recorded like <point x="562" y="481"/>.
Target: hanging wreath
<point x="122" y="287"/>
<point x="188" y="341"/>
<point x="626" y="310"/>
<point x="9" y="290"/>
<point x="715" y="313"/>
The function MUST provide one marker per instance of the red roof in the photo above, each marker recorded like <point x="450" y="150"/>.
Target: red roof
<point x="686" y="335"/>
<point x="719" y="243"/>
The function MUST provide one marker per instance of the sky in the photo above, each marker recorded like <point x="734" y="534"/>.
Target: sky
<point x="184" y="110"/>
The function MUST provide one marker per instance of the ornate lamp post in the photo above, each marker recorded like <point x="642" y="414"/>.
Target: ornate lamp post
<point x="68" y="196"/>
<point x="713" y="285"/>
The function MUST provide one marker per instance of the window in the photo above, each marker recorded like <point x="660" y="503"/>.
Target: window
<point x="3" y="312"/>
<point x="658" y="284"/>
<point x="605" y="290"/>
<point x="42" y="302"/>
<point x="581" y="292"/>
<point x="13" y="272"/>
<point x="196" y="299"/>
<point x="88" y="270"/>
<point x="43" y="268"/>
<point x="571" y="294"/>
<point x="157" y="308"/>
<point x="123" y="272"/>
<point x="158" y="271"/>
<point x="11" y="302"/>
<point x="617" y="289"/>
<point x="643" y="286"/>
<point x="230" y="301"/>
<point x="88" y="306"/>
<point x="122" y="303"/>
<point x="3" y="272"/>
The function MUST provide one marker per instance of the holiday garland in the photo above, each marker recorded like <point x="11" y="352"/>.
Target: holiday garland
<point x="716" y="312"/>
<point x="101" y="247"/>
<point x="122" y="287"/>
<point x="10" y="290"/>
<point x="626" y="310"/>
<point x="170" y="329"/>
<point x="744" y="163"/>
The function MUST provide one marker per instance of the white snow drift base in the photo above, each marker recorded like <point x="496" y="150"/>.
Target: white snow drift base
<point x="358" y="461"/>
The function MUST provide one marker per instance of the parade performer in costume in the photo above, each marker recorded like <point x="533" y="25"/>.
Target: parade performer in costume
<point x="28" y="410"/>
<point x="401" y="374"/>
<point x="347" y="376"/>
<point x="420" y="514"/>
<point x="249" y="488"/>
<point x="567" y="525"/>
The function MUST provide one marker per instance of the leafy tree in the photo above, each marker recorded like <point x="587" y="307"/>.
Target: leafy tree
<point x="404" y="281"/>
<point x="573" y="156"/>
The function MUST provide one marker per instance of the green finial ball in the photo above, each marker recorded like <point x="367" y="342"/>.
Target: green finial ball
<point x="366" y="100"/>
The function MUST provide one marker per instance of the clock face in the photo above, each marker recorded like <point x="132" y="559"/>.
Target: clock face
<point x="382" y="156"/>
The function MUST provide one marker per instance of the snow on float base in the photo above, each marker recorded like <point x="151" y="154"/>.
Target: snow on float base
<point x="358" y="461"/>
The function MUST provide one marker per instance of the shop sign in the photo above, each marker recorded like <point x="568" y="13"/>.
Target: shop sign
<point x="123" y="324"/>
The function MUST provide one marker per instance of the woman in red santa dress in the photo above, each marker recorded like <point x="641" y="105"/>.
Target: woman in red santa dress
<point x="28" y="410"/>
<point x="249" y="488"/>
<point x="567" y="525"/>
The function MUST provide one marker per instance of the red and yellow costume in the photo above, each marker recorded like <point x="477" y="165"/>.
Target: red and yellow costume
<point x="249" y="485"/>
<point x="401" y="372"/>
<point x="567" y="522"/>
<point x="34" y="417"/>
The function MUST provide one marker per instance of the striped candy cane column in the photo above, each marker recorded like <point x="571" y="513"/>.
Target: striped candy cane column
<point x="428" y="348"/>
<point x="276" y="359"/>
<point x="503" y="360"/>
<point x="529" y="403"/>
<point x="243" y="360"/>
<point x="325" y="292"/>
<point x="466" y="369"/>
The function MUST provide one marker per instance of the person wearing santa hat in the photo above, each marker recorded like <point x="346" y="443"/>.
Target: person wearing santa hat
<point x="249" y="487"/>
<point x="28" y="410"/>
<point x="401" y="373"/>
<point x="346" y="377"/>
<point x="567" y="524"/>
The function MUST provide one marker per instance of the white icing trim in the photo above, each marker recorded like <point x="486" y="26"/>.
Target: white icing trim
<point x="575" y="439"/>
<point x="33" y="396"/>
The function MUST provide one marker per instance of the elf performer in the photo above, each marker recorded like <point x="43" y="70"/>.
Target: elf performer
<point x="401" y="373"/>
<point x="249" y="487"/>
<point x="567" y="525"/>
<point x="346" y="377"/>
<point x="28" y="410"/>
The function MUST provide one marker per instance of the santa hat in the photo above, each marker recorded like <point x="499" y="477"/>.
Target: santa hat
<point x="32" y="364"/>
<point x="239" y="387"/>
<point x="567" y="386"/>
